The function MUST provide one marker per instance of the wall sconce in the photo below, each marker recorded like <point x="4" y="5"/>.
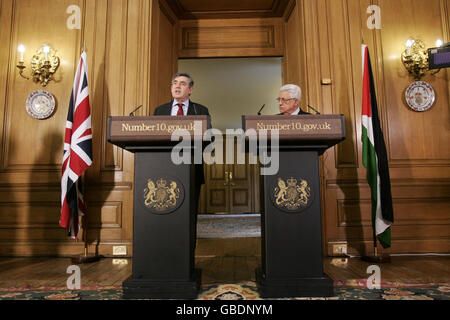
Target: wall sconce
<point x="44" y="64"/>
<point x="415" y="58"/>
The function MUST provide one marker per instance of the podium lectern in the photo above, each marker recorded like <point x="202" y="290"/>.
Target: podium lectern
<point x="164" y="206"/>
<point x="291" y="204"/>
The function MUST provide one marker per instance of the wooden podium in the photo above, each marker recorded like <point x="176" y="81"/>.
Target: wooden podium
<point x="164" y="206"/>
<point x="291" y="205"/>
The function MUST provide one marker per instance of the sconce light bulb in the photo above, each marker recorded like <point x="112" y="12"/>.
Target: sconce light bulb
<point x="46" y="50"/>
<point x="439" y="42"/>
<point x="409" y="43"/>
<point x="21" y="50"/>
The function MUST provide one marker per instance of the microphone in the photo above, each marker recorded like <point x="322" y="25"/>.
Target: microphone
<point x="195" y="108"/>
<point x="132" y="112"/>
<point x="259" y="112"/>
<point x="308" y="106"/>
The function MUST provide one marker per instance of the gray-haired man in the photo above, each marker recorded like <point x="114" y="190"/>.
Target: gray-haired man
<point x="289" y="100"/>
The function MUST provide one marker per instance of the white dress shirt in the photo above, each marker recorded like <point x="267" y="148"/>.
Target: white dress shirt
<point x="296" y="112"/>
<point x="175" y="107"/>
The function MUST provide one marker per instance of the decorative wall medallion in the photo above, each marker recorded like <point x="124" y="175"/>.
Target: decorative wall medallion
<point x="163" y="195"/>
<point x="292" y="195"/>
<point x="420" y="96"/>
<point x="40" y="104"/>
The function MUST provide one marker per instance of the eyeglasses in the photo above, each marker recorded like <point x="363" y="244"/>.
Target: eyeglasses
<point x="181" y="83"/>
<point x="283" y="100"/>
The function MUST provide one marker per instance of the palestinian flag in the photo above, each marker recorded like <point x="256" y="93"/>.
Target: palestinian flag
<point x="374" y="158"/>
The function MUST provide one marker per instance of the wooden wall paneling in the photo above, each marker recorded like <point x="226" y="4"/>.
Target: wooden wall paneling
<point x="311" y="51"/>
<point x="421" y="217"/>
<point x="32" y="149"/>
<point x="94" y="36"/>
<point x="345" y="34"/>
<point x="230" y="9"/>
<point x="165" y="58"/>
<point x="304" y="36"/>
<point x="306" y="71"/>
<point x="136" y="81"/>
<point x="30" y="187"/>
<point x="292" y="59"/>
<point x="415" y="151"/>
<point x="115" y="61"/>
<point x="122" y="76"/>
<point x="114" y="91"/>
<point x="145" y="31"/>
<point x="230" y="38"/>
<point x="132" y="55"/>
<point x="342" y="75"/>
<point x="28" y="218"/>
<point x="9" y="56"/>
<point x="408" y="145"/>
<point x="30" y="29"/>
<point x="445" y="18"/>
<point x="346" y="190"/>
<point x="162" y="55"/>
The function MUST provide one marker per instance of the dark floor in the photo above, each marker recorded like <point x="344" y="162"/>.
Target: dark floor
<point x="221" y="261"/>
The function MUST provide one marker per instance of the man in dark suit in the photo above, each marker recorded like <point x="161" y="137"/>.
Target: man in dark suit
<point x="182" y="87"/>
<point x="289" y="100"/>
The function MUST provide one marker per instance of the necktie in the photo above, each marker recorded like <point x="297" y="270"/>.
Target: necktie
<point x="180" y="109"/>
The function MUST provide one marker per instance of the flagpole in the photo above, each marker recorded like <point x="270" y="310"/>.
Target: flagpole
<point x="375" y="249"/>
<point x="376" y="258"/>
<point x="79" y="100"/>
<point x="86" y="257"/>
<point x="85" y="238"/>
<point x="374" y="159"/>
<point x="83" y="219"/>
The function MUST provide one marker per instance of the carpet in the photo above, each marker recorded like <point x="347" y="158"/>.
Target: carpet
<point x="344" y="290"/>
<point x="221" y="226"/>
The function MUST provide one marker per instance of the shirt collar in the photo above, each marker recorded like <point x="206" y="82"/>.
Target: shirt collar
<point x="296" y="112"/>
<point x="185" y="103"/>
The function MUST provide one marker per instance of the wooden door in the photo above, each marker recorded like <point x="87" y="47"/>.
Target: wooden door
<point x="241" y="185"/>
<point x="231" y="188"/>
<point x="217" y="189"/>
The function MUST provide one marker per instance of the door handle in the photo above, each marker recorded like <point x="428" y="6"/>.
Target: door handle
<point x="227" y="177"/>
<point x="231" y="178"/>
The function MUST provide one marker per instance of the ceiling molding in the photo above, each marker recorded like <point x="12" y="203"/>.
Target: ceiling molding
<point x="224" y="9"/>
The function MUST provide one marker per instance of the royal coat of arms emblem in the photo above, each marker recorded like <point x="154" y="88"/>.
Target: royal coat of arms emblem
<point x="292" y="195"/>
<point x="164" y="196"/>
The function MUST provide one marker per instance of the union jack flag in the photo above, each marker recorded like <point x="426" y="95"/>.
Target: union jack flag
<point x="77" y="151"/>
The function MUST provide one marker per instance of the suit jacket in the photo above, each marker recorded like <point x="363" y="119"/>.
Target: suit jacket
<point x="300" y="113"/>
<point x="193" y="109"/>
